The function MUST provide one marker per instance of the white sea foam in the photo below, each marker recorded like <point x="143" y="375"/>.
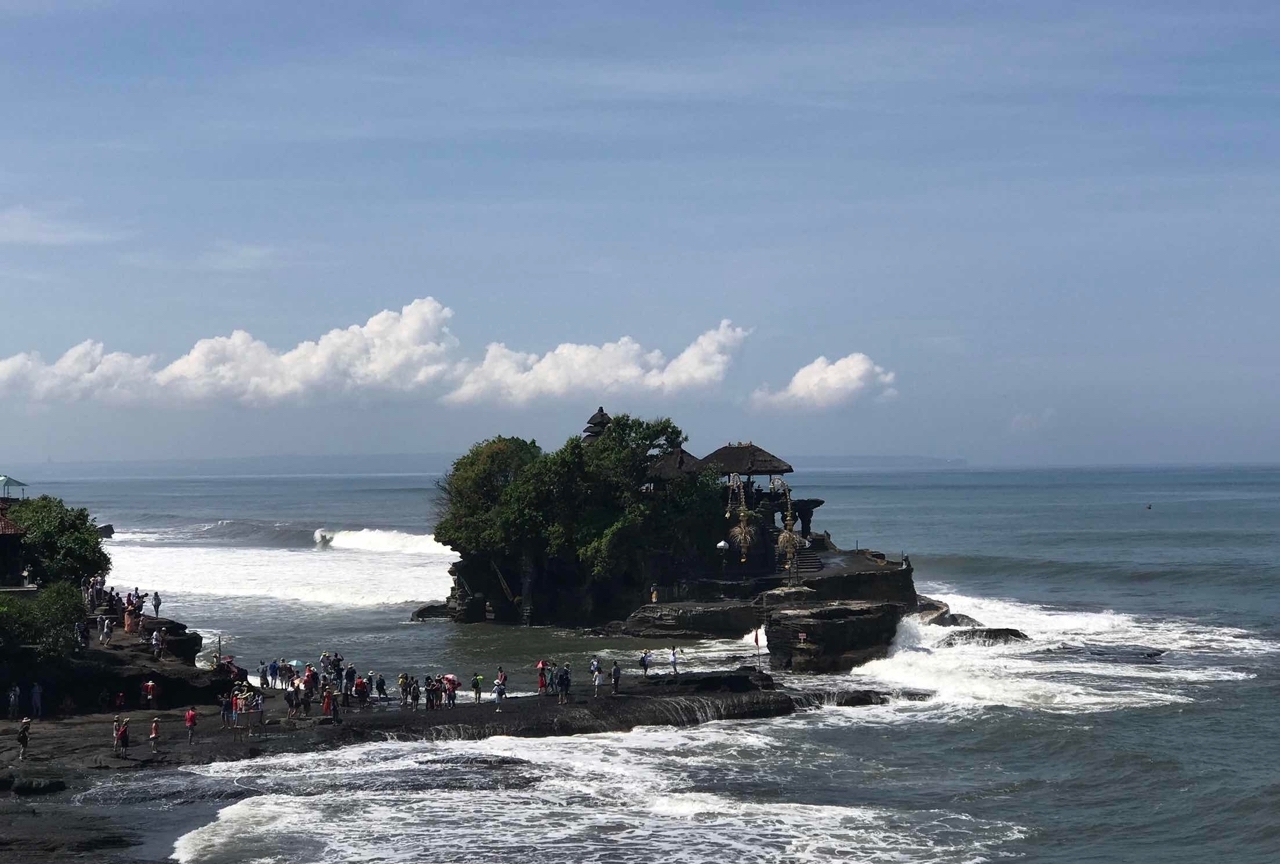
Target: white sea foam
<point x="1048" y="673"/>
<point x="360" y="568"/>
<point x="608" y="797"/>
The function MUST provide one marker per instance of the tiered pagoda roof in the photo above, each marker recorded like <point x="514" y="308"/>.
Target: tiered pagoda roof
<point x="596" y="425"/>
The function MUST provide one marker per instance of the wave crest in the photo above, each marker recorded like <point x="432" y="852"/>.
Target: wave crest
<point x="378" y="540"/>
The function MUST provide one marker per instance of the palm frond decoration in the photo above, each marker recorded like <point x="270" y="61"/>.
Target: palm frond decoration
<point x="741" y="536"/>
<point x="789" y="542"/>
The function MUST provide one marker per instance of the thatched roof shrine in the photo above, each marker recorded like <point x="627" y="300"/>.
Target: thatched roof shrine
<point x="747" y="460"/>
<point x="670" y="466"/>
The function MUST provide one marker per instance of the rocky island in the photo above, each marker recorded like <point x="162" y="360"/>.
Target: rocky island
<point x="624" y="531"/>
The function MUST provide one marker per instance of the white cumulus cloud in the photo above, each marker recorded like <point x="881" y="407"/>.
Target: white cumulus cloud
<point x="392" y="351"/>
<point x="824" y="384"/>
<point x="407" y="351"/>
<point x="569" y="369"/>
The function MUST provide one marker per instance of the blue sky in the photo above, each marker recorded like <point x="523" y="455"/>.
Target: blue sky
<point x="1017" y="233"/>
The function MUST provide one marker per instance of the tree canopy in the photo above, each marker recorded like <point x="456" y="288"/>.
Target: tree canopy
<point x="584" y="515"/>
<point x="61" y="542"/>
<point x="46" y="622"/>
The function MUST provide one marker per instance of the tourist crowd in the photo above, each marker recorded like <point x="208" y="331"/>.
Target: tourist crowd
<point x="331" y="684"/>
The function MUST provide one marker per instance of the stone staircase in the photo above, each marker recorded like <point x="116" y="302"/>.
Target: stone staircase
<point x="807" y="561"/>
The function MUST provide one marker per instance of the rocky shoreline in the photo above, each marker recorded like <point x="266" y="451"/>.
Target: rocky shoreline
<point x="69" y="755"/>
<point x="811" y="626"/>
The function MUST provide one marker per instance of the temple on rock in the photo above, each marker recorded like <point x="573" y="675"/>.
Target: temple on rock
<point x="750" y="556"/>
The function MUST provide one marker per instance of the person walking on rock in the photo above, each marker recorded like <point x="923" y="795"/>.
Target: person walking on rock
<point x="122" y="739"/>
<point x="15" y="698"/>
<point x="190" y="720"/>
<point x="37" y="698"/>
<point x="615" y="674"/>
<point x="24" y="738"/>
<point x="155" y="603"/>
<point x="674" y="661"/>
<point x="154" y="737"/>
<point x="644" y="661"/>
<point x="477" y="682"/>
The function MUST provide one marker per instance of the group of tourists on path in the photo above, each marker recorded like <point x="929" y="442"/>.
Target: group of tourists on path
<point x="646" y="660"/>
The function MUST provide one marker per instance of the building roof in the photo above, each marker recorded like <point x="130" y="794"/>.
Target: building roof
<point x="747" y="460"/>
<point x="596" y="425"/>
<point x="670" y="466"/>
<point x="8" y="526"/>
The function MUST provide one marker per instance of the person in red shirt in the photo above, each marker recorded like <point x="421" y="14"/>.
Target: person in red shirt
<point x="190" y="719"/>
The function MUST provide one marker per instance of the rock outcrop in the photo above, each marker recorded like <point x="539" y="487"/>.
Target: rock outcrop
<point x="658" y="700"/>
<point x="984" y="636"/>
<point x="432" y="610"/>
<point x="180" y="642"/>
<point x="723" y="620"/>
<point x="932" y="611"/>
<point x="831" y="637"/>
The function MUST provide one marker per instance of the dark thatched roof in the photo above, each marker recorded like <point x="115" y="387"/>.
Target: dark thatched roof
<point x="596" y="425"/>
<point x="669" y="466"/>
<point x="747" y="459"/>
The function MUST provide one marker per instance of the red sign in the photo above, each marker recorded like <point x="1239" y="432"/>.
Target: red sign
<point x="804" y="637"/>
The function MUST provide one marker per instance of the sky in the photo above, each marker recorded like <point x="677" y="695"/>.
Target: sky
<point x="1017" y="234"/>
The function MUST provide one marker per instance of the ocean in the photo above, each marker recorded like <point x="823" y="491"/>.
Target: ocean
<point x="1077" y="746"/>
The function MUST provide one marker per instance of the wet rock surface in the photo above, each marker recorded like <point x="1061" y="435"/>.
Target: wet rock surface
<point x="984" y="636"/>
<point x="831" y="637"/>
<point x="432" y="610"/>
<point x="728" y="619"/>
<point x="936" y="613"/>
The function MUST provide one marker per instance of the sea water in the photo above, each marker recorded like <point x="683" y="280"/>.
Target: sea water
<point x="1138" y="724"/>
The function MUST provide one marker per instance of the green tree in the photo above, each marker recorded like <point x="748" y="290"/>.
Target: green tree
<point x="61" y="542"/>
<point x="48" y="621"/>
<point x="583" y="523"/>
<point x="56" y="610"/>
<point x="472" y="490"/>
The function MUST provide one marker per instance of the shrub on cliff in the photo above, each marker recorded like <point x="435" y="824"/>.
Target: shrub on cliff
<point x="61" y="542"/>
<point x="47" y="622"/>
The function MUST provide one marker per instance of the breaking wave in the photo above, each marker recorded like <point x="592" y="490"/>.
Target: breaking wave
<point x="598" y="798"/>
<point x="375" y="540"/>
<point x="351" y="568"/>
<point x="1073" y="662"/>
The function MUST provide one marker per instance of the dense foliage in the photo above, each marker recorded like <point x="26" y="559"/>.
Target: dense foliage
<point x="584" y="517"/>
<point x="46" y="621"/>
<point x="61" y="542"/>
